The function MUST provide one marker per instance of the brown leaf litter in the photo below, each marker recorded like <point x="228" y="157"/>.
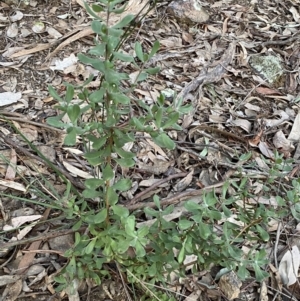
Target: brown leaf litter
<point x="208" y="62"/>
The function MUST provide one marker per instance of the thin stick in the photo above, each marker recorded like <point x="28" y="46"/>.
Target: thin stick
<point x="156" y="184"/>
<point x="177" y="197"/>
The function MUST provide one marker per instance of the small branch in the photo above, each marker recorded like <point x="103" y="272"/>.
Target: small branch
<point x="176" y="198"/>
<point x="156" y="184"/>
<point x="43" y="237"/>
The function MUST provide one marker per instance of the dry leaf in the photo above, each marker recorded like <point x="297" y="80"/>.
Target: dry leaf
<point x="11" y="169"/>
<point x="76" y="171"/>
<point x="289" y="265"/>
<point x="7" y="98"/>
<point x="294" y="135"/>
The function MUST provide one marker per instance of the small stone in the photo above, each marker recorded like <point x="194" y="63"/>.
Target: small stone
<point x="230" y="285"/>
<point x="188" y="11"/>
<point x="269" y="67"/>
<point x="61" y="243"/>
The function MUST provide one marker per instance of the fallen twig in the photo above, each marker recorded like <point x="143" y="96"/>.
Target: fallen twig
<point x="139" y="195"/>
<point x="176" y="198"/>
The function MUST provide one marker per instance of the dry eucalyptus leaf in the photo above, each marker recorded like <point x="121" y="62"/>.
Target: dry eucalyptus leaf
<point x="281" y="142"/>
<point x="12" y="291"/>
<point x="7" y="279"/>
<point x="12" y="30"/>
<point x="289" y="265"/>
<point x="7" y="98"/>
<point x="13" y="185"/>
<point x="265" y="150"/>
<point x="54" y="33"/>
<point x="185" y="182"/>
<point x="294" y="135"/>
<point x="35" y="269"/>
<point x="76" y="171"/>
<point x="242" y="123"/>
<point x="20" y="220"/>
<point x="17" y="16"/>
<point x="65" y="63"/>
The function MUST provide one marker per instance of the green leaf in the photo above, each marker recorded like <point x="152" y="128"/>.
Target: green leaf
<point x="181" y="254"/>
<point x="91" y="193"/>
<point x="139" y="250"/>
<point x="260" y="275"/>
<point x="122" y="185"/>
<point x="96" y="63"/>
<point x="130" y="226"/>
<point x="90" y="247"/>
<point x="98" y="50"/>
<point x="77" y="226"/>
<point x="120" y="210"/>
<point x="120" y="10"/>
<point x="97" y="8"/>
<point x="125" y="21"/>
<point x="54" y="94"/>
<point x="156" y="201"/>
<point x="263" y="233"/>
<point x="71" y="267"/>
<point x="61" y="279"/>
<point x="152" y="270"/>
<point x="152" y="70"/>
<point x="242" y="272"/>
<point x="124" y="154"/>
<point x="107" y="173"/>
<point x="172" y="118"/>
<point x="139" y="125"/>
<point x="93" y="183"/>
<point x="163" y="140"/>
<point x="214" y="215"/>
<point x="113" y="4"/>
<point x="185" y="109"/>
<point x="245" y="157"/>
<point x="120" y="98"/>
<point x="210" y="199"/>
<point x="161" y="99"/>
<point x="154" y="49"/>
<point x="91" y="11"/>
<point x="97" y="96"/>
<point x="116" y="34"/>
<point x="226" y="211"/>
<point x="73" y="113"/>
<point x="70" y="139"/>
<point x="125" y="162"/>
<point x="123" y="57"/>
<point x="99" y="142"/>
<point x="204" y="230"/>
<point x="112" y="196"/>
<point x="158" y="117"/>
<point x="97" y="154"/>
<point x="141" y="77"/>
<point x="55" y="121"/>
<point x="139" y="51"/>
<point x="142" y="232"/>
<point x="98" y="27"/>
<point x="192" y="206"/>
<point x="185" y="224"/>
<point x="69" y="94"/>
<point x="151" y="212"/>
<point x="98" y="218"/>
<point x="77" y="238"/>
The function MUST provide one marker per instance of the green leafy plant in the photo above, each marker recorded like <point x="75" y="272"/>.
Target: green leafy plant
<point x="114" y="118"/>
<point x="111" y="228"/>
